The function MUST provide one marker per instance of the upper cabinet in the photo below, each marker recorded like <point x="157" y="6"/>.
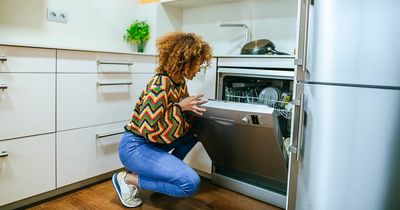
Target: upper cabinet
<point x="229" y="24"/>
<point x="196" y="3"/>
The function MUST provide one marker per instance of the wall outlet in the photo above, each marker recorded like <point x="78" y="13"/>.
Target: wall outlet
<point x="57" y="16"/>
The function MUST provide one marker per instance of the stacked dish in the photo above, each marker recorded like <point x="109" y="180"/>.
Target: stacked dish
<point x="269" y="96"/>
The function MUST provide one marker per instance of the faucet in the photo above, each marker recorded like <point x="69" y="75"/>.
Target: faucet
<point x="247" y="32"/>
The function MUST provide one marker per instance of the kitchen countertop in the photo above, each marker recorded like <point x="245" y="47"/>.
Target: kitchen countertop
<point x="80" y="49"/>
<point x="254" y="56"/>
<point x="134" y="53"/>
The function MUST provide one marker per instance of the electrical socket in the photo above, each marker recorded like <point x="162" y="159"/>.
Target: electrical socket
<point x="57" y="16"/>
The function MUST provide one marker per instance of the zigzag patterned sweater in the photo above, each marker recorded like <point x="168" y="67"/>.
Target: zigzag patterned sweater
<point x="157" y="117"/>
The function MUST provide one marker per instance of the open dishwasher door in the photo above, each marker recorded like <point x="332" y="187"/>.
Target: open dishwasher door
<point x="245" y="145"/>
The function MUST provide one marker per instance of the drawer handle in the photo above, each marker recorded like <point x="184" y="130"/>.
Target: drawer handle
<point x="113" y="83"/>
<point x="3" y="86"/>
<point x="114" y="63"/>
<point x="3" y="59"/>
<point x="3" y="154"/>
<point x="99" y="136"/>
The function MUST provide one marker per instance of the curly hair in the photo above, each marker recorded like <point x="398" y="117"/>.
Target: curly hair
<point x="180" y="55"/>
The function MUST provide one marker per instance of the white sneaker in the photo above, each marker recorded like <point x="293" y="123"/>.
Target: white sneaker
<point x="128" y="194"/>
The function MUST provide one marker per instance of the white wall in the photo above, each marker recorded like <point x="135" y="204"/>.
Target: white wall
<point x="101" y="24"/>
<point x="169" y="19"/>
<point x="92" y="24"/>
<point x="268" y="19"/>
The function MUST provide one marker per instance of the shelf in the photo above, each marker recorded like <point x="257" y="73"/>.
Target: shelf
<point x="196" y="3"/>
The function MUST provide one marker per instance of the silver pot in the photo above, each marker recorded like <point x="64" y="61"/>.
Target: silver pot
<point x="260" y="47"/>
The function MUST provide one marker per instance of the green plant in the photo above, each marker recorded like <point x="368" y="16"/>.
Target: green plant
<point x="138" y="33"/>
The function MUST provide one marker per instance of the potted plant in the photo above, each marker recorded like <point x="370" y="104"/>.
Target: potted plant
<point x="138" y="33"/>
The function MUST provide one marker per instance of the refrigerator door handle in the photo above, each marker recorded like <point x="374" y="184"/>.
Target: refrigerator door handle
<point x="301" y="128"/>
<point x="302" y="42"/>
<point x="296" y="147"/>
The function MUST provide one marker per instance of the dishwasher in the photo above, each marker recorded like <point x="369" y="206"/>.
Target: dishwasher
<point x="243" y="131"/>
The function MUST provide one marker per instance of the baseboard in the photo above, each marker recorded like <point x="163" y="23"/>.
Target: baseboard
<point x="37" y="199"/>
<point x="203" y="174"/>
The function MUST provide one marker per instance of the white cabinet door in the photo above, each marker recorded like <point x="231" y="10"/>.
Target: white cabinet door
<point x="24" y="59"/>
<point x="87" y="152"/>
<point x="96" y="62"/>
<point x="94" y="99"/>
<point x="27" y="104"/>
<point x="204" y="82"/>
<point x="139" y="83"/>
<point x="29" y="168"/>
<point x="198" y="159"/>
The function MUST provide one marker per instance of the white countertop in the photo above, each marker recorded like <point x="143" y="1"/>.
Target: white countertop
<point x="254" y="56"/>
<point x="134" y="53"/>
<point x="80" y="49"/>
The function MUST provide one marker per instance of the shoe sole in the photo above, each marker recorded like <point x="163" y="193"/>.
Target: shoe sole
<point x="118" y="189"/>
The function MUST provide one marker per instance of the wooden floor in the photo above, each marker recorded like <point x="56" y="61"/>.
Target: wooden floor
<point x="209" y="196"/>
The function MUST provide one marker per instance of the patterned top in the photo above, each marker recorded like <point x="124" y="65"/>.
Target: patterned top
<point x="157" y="117"/>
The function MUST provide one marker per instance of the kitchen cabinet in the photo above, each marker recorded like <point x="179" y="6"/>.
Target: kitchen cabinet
<point x="95" y="88"/>
<point x="27" y="110"/>
<point x="27" y="93"/>
<point x="273" y="61"/>
<point x="27" y="167"/>
<point x="27" y="60"/>
<point x="93" y="99"/>
<point x="27" y="106"/>
<point x="69" y="61"/>
<point x="96" y="93"/>
<point x="203" y="83"/>
<point x="87" y="152"/>
<point x="83" y="98"/>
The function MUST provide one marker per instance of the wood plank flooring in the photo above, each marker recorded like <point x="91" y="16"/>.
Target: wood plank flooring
<point x="209" y="197"/>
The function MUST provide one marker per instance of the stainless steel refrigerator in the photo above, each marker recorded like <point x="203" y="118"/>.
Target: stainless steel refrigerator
<point x="346" y="127"/>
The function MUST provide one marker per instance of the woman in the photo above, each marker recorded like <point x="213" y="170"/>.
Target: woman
<point x="161" y="122"/>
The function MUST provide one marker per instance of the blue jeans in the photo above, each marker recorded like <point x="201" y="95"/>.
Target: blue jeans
<point x="157" y="169"/>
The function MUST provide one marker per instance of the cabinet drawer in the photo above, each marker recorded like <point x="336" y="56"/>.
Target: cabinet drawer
<point x="92" y="99"/>
<point x="140" y="81"/>
<point x="88" y="152"/>
<point x="29" y="168"/>
<point x="27" y="104"/>
<point x="260" y="62"/>
<point x="24" y="59"/>
<point x="92" y="62"/>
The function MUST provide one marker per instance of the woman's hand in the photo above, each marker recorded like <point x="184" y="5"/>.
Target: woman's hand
<point x="192" y="104"/>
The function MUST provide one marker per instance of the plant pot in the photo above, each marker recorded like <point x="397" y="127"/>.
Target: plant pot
<point x="140" y="47"/>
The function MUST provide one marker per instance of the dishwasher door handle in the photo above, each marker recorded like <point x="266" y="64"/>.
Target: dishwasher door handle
<point x="223" y="121"/>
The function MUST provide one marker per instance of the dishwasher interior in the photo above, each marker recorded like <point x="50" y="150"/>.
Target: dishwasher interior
<point x="244" y="132"/>
<point x="272" y="92"/>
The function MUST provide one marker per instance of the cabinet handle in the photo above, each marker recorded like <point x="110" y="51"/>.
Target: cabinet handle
<point x="114" y="63"/>
<point x="99" y="136"/>
<point x="113" y="83"/>
<point x="3" y="86"/>
<point x="3" y="154"/>
<point x="3" y="59"/>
